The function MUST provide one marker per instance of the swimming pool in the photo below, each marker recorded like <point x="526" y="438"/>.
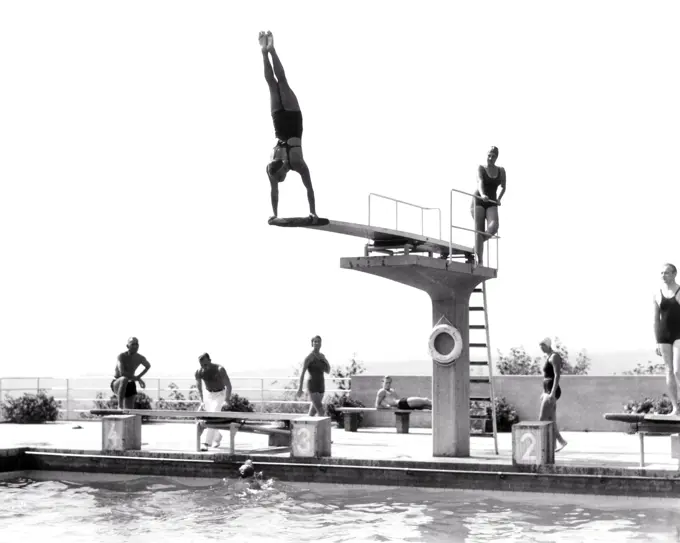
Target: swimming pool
<point x="74" y="508"/>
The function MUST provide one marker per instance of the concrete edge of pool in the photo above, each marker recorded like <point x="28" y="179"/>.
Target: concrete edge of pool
<point x="508" y="478"/>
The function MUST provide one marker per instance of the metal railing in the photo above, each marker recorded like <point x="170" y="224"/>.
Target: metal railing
<point x="396" y="210"/>
<point x="66" y="393"/>
<point x="474" y="230"/>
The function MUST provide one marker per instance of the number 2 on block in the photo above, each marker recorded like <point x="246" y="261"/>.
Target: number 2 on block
<point x="528" y="453"/>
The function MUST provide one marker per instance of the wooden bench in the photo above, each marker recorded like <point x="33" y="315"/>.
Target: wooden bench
<point x="643" y="424"/>
<point x="234" y="421"/>
<point x="401" y="416"/>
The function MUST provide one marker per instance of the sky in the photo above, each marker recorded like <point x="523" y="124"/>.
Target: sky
<point x="134" y="201"/>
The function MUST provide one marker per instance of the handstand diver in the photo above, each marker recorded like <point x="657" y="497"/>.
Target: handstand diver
<point x="287" y="153"/>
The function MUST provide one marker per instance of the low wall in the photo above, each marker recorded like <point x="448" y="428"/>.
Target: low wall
<point x="581" y="407"/>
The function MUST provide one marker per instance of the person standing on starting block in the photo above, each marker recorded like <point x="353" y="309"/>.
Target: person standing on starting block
<point x="216" y="395"/>
<point x="124" y="378"/>
<point x="387" y="398"/>
<point x="316" y="364"/>
<point x="485" y="202"/>
<point x="551" y="388"/>
<point x="287" y="117"/>
<point x="667" y="330"/>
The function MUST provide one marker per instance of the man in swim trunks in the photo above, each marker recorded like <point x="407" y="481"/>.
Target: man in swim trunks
<point x="216" y="395"/>
<point x="667" y="330"/>
<point x="387" y="398"/>
<point x="316" y="364"/>
<point x="485" y="203"/>
<point x="124" y="379"/>
<point x="287" y="117"/>
<point x="551" y="388"/>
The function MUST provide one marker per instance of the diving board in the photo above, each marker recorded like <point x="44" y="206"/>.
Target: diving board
<point x="643" y="423"/>
<point x="390" y="241"/>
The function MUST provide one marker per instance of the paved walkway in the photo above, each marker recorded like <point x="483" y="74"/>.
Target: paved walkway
<point x="603" y="449"/>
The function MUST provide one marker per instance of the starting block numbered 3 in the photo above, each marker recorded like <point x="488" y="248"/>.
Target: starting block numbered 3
<point x="533" y="443"/>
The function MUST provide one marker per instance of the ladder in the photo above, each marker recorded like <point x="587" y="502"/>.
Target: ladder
<point x="475" y="361"/>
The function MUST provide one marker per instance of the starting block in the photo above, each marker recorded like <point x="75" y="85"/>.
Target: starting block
<point x="533" y="443"/>
<point x="122" y="433"/>
<point x="311" y="437"/>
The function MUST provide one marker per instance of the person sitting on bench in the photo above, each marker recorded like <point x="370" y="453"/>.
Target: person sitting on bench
<point x="124" y="378"/>
<point x="388" y="398"/>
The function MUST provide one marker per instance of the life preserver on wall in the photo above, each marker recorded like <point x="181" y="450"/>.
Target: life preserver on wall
<point x="445" y="358"/>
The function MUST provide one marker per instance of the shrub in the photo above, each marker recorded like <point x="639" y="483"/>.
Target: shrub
<point x="658" y="406"/>
<point x="239" y="403"/>
<point x="177" y="402"/>
<point x="142" y="401"/>
<point x="283" y="407"/>
<point x="336" y="401"/>
<point x="506" y="415"/>
<point x="31" y="408"/>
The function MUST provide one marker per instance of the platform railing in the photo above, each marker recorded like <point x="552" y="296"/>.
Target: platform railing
<point x="473" y="230"/>
<point x="65" y="391"/>
<point x="396" y="211"/>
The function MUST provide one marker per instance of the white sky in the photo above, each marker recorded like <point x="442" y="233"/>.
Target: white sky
<point x="134" y="137"/>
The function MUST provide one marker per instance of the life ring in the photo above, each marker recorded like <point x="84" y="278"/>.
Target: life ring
<point x="445" y="358"/>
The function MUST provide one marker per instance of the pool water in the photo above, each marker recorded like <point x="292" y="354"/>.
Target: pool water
<point x="72" y="507"/>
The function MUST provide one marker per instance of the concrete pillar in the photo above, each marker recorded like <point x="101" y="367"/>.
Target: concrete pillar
<point x="449" y="285"/>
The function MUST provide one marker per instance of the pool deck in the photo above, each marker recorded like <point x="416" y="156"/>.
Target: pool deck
<point x="593" y="462"/>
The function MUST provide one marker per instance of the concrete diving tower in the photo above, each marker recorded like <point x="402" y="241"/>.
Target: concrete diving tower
<point x="449" y="284"/>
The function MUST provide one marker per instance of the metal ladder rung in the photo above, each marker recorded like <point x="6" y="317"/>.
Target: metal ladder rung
<point x="479" y="363"/>
<point x="476" y="308"/>
<point x="480" y="399"/>
<point x="477" y="327"/>
<point x="477" y="344"/>
<point x="480" y="380"/>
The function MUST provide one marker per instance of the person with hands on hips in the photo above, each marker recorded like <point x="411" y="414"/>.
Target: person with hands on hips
<point x="316" y="364"/>
<point x="124" y="378"/>
<point x="215" y="397"/>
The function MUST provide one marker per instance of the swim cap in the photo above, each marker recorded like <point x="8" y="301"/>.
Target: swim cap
<point x="547" y="342"/>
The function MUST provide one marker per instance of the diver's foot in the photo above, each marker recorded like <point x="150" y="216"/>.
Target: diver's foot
<point x="314" y="218"/>
<point x="204" y="447"/>
<point x="272" y="218"/>
<point x="262" y="40"/>
<point x="270" y="41"/>
<point x="562" y="446"/>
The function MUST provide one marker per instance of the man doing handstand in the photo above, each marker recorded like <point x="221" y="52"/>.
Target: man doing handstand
<point x="387" y="398"/>
<point x="287" y="154"/>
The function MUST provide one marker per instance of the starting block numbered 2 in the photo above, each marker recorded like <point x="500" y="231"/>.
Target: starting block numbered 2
<point x="533" y="443"/>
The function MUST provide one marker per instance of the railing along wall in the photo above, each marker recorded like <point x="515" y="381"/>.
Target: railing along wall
<point x="66" y="391"/>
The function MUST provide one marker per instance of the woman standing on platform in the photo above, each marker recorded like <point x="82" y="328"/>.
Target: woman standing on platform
<point x="485" y="202"/>
<point x="316" y="364"/>
<point x="667" y="330"/>
<point x="551" y="388"/>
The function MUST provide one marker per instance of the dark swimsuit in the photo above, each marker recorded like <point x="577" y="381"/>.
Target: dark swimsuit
<point x="130" y="390"/>
<point x="316" y="368"/>
<point x="287" y="124"/>
<point x="668" y="326"/>
<point x="549" y="379"/>
<point x="490" y="186"/>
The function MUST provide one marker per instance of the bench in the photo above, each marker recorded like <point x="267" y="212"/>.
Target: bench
<point x="643" y="424"/>
<point x="234" y="421"/>
<point x="401" y="416"/>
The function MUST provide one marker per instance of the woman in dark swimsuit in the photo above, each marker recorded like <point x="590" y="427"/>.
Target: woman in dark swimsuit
<point x="287" y="117"/>
<point x="667" y="330"/>
<point x="551" y="388"/>
<point x="485" y="202"/>
<point x="316" y="364"/>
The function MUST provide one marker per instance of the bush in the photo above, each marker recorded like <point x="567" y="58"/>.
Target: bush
<point x="656" y="406"/>
<point x="177" y="401"/>
<point x="336" y="401"/>
<point x="31" y="408"/>
<point x="142" y="401"/>
<point x="283" y="407"/>
<point x="239" y="403"/>
<point x="506" y="415"/>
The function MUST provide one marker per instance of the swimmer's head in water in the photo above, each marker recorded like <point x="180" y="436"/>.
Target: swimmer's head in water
<point x="492" y="155"/>
<point x="247" y="469"/>
<point x="316" y="342"/>
<point x="668" y="272"/>
<point x="204" y="360"/>
<point x="133" y="344"/>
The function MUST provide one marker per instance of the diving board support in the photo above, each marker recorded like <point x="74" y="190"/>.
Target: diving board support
<point x="449" y="285"/>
